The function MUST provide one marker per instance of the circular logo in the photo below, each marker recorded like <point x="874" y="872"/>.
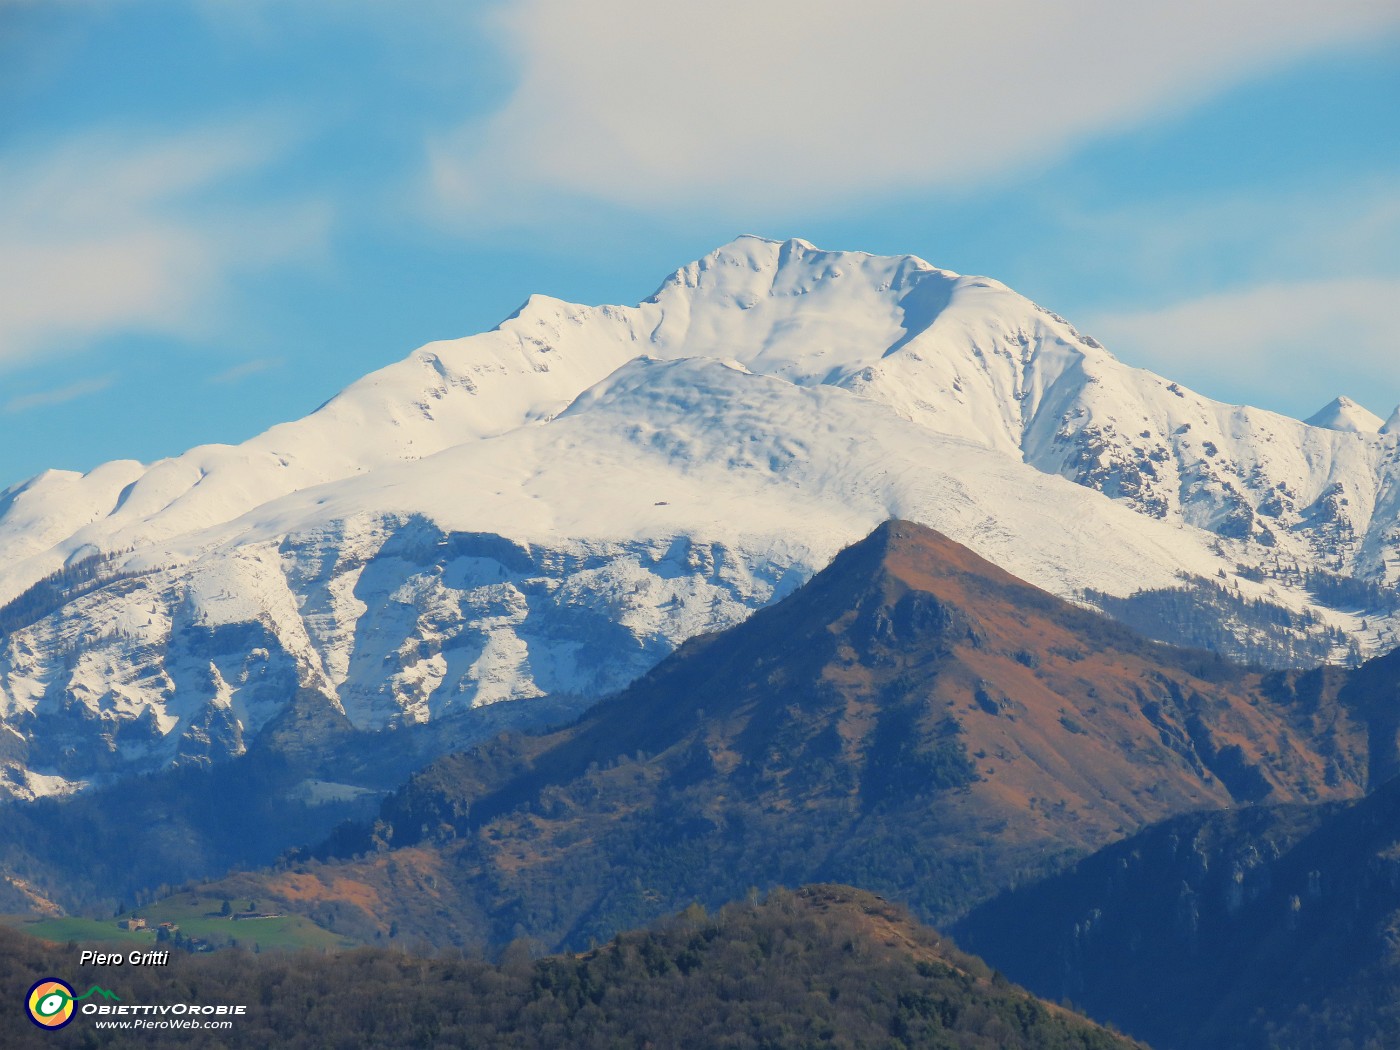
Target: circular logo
<point x="50" y="1003"/>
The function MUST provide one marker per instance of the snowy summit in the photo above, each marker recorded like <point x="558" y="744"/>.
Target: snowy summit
<point x="548" y="508"/>
<point x="1345" y="414"/>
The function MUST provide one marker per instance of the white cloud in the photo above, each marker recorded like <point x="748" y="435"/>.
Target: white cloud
<point x="58" y="396"/>
<point x="785" y="103"/>
<point x="108" y="232"/>
<point x="1277" y="344"/>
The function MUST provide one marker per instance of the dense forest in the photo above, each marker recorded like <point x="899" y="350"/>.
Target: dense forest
<point x="825" y="966"/>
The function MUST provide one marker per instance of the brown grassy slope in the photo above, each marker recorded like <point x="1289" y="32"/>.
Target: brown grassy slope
<point x="914" y="720"/>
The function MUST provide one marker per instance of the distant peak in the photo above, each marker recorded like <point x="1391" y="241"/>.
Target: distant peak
<point x="1346" y="415"/>
<point x="1392" y="425"/>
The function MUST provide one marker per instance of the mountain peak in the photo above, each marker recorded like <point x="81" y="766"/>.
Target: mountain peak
<point x="1392" y="425"/>
<point x="772" y="402"/>
<point x="912" y="617"/>
<point x="752" y="267"/>
<point x="901" y="540"/>
<point x="907" y="689"/>
<point x="1344" y="414"/>
<point x="791" y="242"/>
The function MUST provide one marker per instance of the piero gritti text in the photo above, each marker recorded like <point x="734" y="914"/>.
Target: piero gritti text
<point x="134" y="958"/>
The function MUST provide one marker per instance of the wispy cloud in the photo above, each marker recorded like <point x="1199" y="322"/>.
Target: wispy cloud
<point x="246" y="370"/>
<point x="1347" y="229"/>
<point x="774" y="106"/>
<point x="58" y="396"/>
<point x="110" y="232"/>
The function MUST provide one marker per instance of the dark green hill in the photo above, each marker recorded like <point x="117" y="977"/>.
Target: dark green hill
<point x="826" y="966"/>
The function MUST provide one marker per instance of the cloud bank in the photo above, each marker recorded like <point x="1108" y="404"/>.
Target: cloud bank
<point x="785" y="104"/>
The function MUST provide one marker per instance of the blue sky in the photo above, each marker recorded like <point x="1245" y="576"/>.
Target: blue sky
<point x="214" y="214"/>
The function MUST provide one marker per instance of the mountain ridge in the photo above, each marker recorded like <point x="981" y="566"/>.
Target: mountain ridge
<point x="913" y="720"/>
<point x="431" y="541"/>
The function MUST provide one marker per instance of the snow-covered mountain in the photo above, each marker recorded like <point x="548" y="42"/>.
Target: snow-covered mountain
<point x="1342" y="413"/>
<point x="550" y="507"/>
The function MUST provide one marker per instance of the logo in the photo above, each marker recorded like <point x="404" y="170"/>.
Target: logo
<point x="50" y="1001"/>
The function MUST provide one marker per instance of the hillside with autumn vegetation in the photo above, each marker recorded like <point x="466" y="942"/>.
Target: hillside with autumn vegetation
<point x="914" y="720"/>
<point x="822" y="966"/>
